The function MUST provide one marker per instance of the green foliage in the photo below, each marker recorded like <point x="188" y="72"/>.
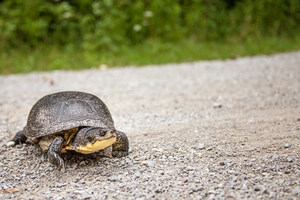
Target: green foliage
<point x="47" y="57"/>
<point x="111" y="24"/>
<point x="75" y="34"/>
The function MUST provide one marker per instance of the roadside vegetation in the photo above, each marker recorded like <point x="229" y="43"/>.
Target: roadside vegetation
<point x="61" y="34"/>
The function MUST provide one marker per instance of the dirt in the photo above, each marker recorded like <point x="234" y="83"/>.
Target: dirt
<point x="204" y="130"/>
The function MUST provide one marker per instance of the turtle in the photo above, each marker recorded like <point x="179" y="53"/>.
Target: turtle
<point x="71" y="121"/>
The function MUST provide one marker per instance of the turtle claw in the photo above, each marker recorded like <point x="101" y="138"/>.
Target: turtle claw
<point x="54" y="153"/>
<point x="56" y="160"/>
<point x="62" y="167"/>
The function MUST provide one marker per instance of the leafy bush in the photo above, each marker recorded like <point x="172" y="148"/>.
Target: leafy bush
<point x="110" y="24"/>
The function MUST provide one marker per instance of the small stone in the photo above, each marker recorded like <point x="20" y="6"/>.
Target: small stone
<point x="148" y="163"/>
<point x="197" y="189"/>
<point x="60" y="185"/>
<point x="169" y="172"/>
<point x="87" y="196"/>
<point x="222" y="163"/>
<point x="78" y="191"/>
<point x="197" y="180"/>
<point x="27" y="173"/>
<point x="233" y="172"/>
<point x="201" y="146"/>
<point x="256" y="188"/>
<point x="137" y="175"/>
<point x="287" y="145"/>
<point x="73" y="184"/>
<point x="158" y="190"/>
<point x="272" y="195"/>
<point x="209" y="148"/>
<point x="211" y="192"/>
<point x="10" y="144"/>
<point x="296" y="191"/>
<point x="189" y="168"/>
<point x="112" y="179"/>
<point x="265" y="191"/>
<point x="290" y="159"/>
<point x="217" y="105"/>
<point x="281" y="181"/>
<point x="250" y="121"/>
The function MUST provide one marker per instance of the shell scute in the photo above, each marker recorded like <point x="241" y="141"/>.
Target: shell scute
<point x="66" y="110"/>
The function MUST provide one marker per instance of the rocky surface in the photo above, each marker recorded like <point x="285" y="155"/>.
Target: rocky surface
<point x="204" y="130"/>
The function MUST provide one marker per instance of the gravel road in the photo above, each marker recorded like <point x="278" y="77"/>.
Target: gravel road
<point x="203" y="130"/>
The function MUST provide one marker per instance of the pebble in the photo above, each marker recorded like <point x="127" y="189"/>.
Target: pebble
<point x="257" y="188"/>
<point x="287" y="145"/>
<point x="212" y="194"/>
<point x="209" y="148"/>
<point x="10" y="144"/>
<point x="296" y="191"/>
<point x="27" y="173"/>
<point x="148" y="163"/>
<point x="79" y="191"/>
<point x="281" y="181"/>
<point x="201" y="146"/>
<point x="290" y="159"/>
<point x="272" y="195"/>
<point x="217" y="105"/>
<point x="222" y="163"/>
<point x="158" y="190"/>
<point x="112" y="179"/>
<point x="86" y="196"/>
<point x="137" y="174"/>
<point x="233" y="172"/>
<point x="189" y="168"/>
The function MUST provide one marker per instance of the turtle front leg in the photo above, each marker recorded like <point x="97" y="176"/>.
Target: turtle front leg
<point x="18" y="139"/>
<point x="54" y="153"/>
<point x="121" y="146"/>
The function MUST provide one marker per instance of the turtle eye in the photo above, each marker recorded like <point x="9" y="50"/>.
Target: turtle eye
<point x="102" y="133"/>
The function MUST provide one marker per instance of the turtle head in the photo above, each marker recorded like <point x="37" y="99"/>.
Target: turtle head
<point x="92" y="139"/>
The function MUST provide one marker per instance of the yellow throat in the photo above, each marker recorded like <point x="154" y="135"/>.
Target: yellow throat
<point x="91" y="148"/>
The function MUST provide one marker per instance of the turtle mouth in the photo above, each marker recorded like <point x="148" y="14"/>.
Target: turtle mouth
<point x="98" y="145"/>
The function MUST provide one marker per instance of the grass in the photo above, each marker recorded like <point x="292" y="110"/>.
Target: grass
<point x="151" y="52"/>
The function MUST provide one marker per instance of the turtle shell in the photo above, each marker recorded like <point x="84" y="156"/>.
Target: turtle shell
<point x="66" y="110"/>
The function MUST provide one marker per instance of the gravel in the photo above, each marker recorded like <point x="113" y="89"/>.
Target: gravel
<point x="202" y="130"/>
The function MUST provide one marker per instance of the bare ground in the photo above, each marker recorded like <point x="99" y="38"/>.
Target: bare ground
<point x="204" y="130"/>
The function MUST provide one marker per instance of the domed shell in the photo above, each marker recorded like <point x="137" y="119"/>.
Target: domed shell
<point x="66" y="110"/>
